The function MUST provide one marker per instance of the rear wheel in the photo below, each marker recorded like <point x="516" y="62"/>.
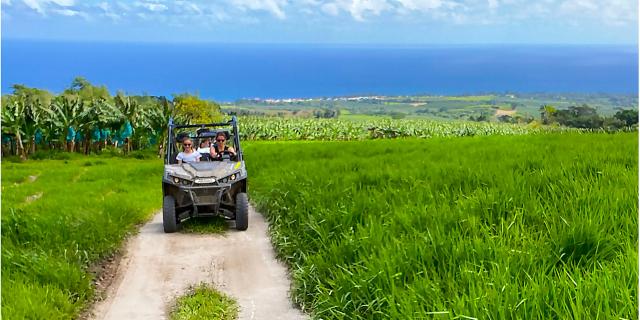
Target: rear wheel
<point x="242" y="211"/>
<point x="169" y="218"/>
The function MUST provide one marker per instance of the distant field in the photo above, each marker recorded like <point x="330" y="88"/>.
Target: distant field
<point x="520" y="227"/>
<point x="445" y="107"/>
<point x="59" y="217"/>
<point x="359" y="127"/>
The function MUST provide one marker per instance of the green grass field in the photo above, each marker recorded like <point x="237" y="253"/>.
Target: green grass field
<point x="59" y="217"/>
<point x="498" y="227"/>
<point x="518" y="227"/>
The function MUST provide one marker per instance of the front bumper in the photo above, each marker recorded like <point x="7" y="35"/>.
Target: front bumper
<point x="198" y="194"/>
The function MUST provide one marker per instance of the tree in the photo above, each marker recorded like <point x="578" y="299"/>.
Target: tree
<point x="159" y="119"/>
<point x="35" y="100"/>
<point x="131" y="114"/>
<point x="86" y="91"/>
<point x="196" y="110"/>
<point x="629" y="116"/>
<point x="547" y="113"/>
<point x="95" y="115"/>
<point x="582" y="116"/>
<point x="13" y="118"/>
<point x="63" y="118"/>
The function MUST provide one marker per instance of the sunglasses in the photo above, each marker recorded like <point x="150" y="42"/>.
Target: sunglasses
<point x="220" y="140"/>
<point x="187" y="145"/>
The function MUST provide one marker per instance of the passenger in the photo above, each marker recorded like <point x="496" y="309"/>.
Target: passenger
<point x="219" y="147"/>
<point x="188" y="155"/>
<point x="205" y="146"/>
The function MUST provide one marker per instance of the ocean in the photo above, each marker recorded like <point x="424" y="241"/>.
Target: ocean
<point x="226" y="72"/>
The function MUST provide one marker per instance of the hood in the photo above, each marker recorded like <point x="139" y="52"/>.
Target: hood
<point x="205" y="169"/>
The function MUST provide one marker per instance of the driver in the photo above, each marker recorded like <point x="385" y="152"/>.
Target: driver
<point x="188" y="155"/>
<point x="220" y="148"/>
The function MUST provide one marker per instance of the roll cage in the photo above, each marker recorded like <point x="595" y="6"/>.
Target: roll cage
<point x="172" y="148"/>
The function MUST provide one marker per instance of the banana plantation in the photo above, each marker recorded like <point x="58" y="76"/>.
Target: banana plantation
<point x="86" y="118"/>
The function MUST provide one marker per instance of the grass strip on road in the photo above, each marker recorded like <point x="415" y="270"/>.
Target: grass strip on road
<point x="204" y="302"/>
<point x="61" y="217"/>
<point x="501" y="227"/>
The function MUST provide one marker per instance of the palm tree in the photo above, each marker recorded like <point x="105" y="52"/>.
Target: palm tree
<point x="159" y="120"/>
<point x="131" y="114"/>
<point x="13" y="119"/>
<point x="97" y="113"/>
<point x="63" y="116"/>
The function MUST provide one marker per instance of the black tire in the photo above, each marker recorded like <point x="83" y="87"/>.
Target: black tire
<point x="169" y="219"/>
<point x="242" y="211"/>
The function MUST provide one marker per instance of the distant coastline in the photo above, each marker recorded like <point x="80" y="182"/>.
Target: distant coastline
<point x="228" y="72"/>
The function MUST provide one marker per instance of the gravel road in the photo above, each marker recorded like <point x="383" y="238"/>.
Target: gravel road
<point x="158" y="267"/>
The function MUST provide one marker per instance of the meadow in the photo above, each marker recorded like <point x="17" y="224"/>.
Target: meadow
<point x="518" y="227"/>
<point x="492" y="227"/>
<point x="61" y="218"/>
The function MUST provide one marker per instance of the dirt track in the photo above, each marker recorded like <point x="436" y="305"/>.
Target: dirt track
<point x="158" y="267"/>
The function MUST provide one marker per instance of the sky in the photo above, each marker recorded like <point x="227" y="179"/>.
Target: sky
<point x="408" y="22"/>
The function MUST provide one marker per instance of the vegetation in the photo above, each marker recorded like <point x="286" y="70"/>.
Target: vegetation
<point x="587" y="117"/>
<point x="88" y="118"/>
<point x="204" y="225"/>
<point x="60" y="217"/>
<point x="204" y="302"/>
<point x="256" y="128"/>
<point x="523" y="108"/>
<point x="519" y="227"/>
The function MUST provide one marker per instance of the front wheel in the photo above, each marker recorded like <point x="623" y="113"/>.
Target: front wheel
<point x="242" y="211"/>
<point x="169" y="219"/>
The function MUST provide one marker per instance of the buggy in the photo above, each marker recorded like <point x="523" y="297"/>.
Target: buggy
<point x="208" y="188"/>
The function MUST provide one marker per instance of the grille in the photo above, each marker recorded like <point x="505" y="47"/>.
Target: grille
<point x="204" y="196"/>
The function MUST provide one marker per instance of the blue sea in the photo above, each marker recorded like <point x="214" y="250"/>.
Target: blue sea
<point x="227" y="72"/>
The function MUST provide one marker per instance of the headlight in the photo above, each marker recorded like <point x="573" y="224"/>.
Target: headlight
<point x="233" y="177"/>
<point x="176" y="180"/>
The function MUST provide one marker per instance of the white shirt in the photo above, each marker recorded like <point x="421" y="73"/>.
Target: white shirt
<point x="204" y="150"/>
<point x="189" y="157"/>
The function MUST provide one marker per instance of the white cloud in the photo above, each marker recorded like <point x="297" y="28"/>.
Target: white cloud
<point x="64" y="3"/>
<point x="108" y="12"/>
<point x="422" y="5"/>
<point x="35" y="5"/>
<point x="468" y="12"/>
<point x="67" y="12"/>
<point x="330" y="9"/>
<point x="358" y="9"/>
<point x="577" y="6"/>
<point x="40" y="5"/>
<point x="275" y="7"/>
<point x="151" y="6"/>
<point x="189" y="7"/>
<point x="612" y="12"/>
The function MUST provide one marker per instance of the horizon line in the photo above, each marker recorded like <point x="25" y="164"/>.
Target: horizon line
<point x="302" y="43"/>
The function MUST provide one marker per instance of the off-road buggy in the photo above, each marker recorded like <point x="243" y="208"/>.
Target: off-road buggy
<point x="211" y="187"/>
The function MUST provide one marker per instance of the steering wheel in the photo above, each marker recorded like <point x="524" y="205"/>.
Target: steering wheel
<point x="225" y="155"/>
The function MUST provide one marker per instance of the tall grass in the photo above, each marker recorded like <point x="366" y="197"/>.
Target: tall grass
<point x="517" y="227"/>
<point x="59" y="218"/>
